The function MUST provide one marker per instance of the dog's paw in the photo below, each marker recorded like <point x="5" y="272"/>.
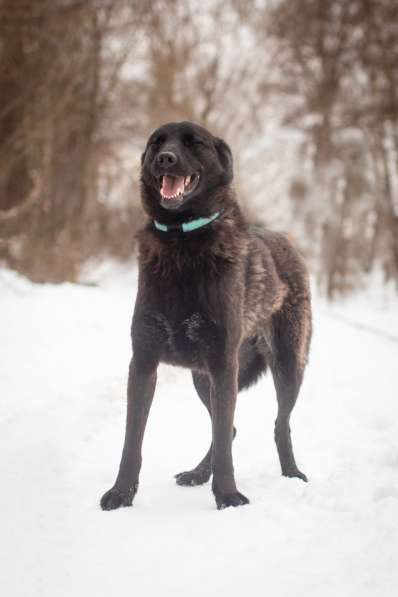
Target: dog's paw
<point x="194" y="477"/>
<point x="114" y="498"/>
<point x="294" y="472"/>
<point x="230" y="499"/>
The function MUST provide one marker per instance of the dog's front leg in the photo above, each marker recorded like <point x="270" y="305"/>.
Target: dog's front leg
<point x="223" y="400"/>
<point x="140" y="390"/>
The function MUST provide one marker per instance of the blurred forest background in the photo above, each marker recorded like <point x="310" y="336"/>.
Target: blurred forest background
<point x="304" y="91"/>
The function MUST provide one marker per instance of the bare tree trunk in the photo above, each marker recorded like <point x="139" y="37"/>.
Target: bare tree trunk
<point x="14" y="77"/>
<point x="391" y="215"/>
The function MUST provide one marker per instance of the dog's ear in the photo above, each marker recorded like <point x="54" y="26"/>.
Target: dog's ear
<point x="225" y="156"/>
<point x="143" y="158"/>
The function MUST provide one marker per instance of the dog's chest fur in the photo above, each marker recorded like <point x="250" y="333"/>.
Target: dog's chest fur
<point x="185" y="300"/>
<point x="186" y="341"/>
<point x="183" y="313"/>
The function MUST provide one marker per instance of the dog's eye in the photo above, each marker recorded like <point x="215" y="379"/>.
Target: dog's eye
<point x="191" y="140"/>
<point x="157" y="140"/>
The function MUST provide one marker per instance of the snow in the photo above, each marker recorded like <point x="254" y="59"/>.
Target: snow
<point x="63" y="363"/>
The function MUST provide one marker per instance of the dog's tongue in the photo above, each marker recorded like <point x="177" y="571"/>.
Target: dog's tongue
<point x="172" y="185"/>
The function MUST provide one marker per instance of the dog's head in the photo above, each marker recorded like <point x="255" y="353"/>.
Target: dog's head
<point x="182" y="165"/>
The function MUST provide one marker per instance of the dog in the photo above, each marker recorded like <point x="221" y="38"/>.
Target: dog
<point x="215" y="295"/>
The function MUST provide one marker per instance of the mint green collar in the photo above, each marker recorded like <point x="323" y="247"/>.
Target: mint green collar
<point x="187" y="226"/>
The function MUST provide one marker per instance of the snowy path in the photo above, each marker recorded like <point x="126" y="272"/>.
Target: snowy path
<point x="64" y="354"/>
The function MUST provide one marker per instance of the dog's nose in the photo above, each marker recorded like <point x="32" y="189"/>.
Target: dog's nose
<point x="166" y="158"/>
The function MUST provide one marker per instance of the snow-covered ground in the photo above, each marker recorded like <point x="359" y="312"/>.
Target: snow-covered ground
<point x="64" y="354"/>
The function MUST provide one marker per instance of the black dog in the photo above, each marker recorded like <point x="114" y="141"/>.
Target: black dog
<point x="214" y="295"/>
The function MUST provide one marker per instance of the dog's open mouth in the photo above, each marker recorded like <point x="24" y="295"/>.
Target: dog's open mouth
<point x="175" y="187"/>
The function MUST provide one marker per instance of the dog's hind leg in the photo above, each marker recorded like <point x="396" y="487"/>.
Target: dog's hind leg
<point x="202" y="472"/>
<point x="291" y="336"/>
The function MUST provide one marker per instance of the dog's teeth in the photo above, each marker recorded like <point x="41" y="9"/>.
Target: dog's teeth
<point x="176" y="195"/>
